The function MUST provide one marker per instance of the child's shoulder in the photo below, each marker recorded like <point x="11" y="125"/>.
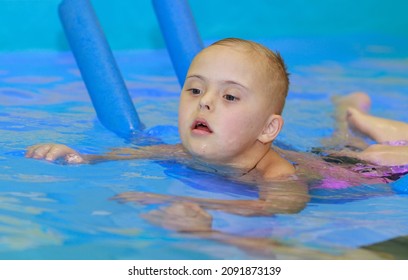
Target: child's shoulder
<point x="276" y="166"/>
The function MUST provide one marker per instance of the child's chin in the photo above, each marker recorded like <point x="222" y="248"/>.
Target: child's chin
<point x="206" y="156"/>
<point x="204" y="152"/>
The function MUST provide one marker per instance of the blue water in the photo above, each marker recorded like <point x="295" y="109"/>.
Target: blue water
<point x="56" y="211"/>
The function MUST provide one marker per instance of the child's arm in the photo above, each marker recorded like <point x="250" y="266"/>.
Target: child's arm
<point x="286" y="197"/>
<point x="53" y="152"/>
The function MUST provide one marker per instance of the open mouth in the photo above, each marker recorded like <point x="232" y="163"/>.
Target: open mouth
<point x="201" y="125"/>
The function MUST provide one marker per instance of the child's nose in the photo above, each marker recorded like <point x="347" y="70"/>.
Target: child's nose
<point x="206" y="102"/>
<point x="204" y="106"/>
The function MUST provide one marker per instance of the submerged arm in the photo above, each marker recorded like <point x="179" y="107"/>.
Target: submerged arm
<point x="273" y="200"/>
<point x="156" y="152"/>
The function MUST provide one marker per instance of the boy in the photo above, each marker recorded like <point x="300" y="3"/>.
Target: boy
<point x="229" y="114"/>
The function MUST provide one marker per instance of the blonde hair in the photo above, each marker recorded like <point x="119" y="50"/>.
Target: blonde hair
<point x="275" y="65"/>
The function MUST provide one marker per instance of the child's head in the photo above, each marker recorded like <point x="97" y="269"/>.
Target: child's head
<point x="231" y="101"/>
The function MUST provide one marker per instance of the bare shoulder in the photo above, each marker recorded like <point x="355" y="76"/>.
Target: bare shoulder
<point x="275" y="166"/>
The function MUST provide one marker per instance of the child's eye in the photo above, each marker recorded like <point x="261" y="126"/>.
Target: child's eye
<point x="230" y="97"/>
<point x="194" y="91"/>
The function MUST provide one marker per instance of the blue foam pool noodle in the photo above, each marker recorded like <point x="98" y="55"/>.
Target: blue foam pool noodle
<point x="401" y="185"/>
<point x="180" y="33"/>
<point x="103" y="80"/>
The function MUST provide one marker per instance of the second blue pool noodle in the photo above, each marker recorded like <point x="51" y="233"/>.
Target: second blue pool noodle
<point x="401" y="185"/>
<point x="98" y="68"/>
<point x="180" y="33"/>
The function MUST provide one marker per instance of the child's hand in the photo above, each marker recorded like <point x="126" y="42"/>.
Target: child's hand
<point x="181" y="216"/>
<point x="52" y="152"/>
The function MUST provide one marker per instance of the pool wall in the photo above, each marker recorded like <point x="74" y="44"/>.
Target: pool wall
<point x="130" y="24"/>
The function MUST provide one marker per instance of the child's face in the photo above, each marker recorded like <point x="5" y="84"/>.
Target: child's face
<point x="224" y="105"/>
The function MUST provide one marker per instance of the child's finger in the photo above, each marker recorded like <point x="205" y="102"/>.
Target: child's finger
<point x="55" y="152"/>
<point x="30" y="150"/>
<point x="40" y="151"/>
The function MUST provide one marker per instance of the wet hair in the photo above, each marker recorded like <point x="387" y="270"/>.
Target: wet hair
<point x="274" y="64"/>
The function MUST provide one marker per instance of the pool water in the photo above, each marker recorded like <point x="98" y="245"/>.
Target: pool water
<point x="57" y="211"/>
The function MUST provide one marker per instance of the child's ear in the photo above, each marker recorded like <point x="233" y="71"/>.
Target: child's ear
<point x="271" y="130"/>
